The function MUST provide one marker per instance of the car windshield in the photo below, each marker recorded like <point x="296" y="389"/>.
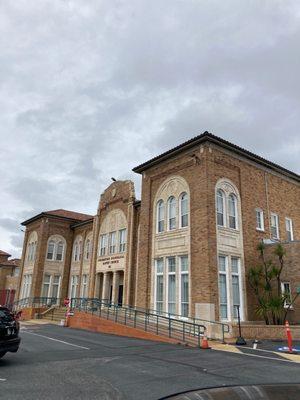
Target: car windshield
<point x="5" y="314"/>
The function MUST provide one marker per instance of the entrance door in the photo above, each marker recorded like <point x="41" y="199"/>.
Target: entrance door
<point x="120" y="295"/>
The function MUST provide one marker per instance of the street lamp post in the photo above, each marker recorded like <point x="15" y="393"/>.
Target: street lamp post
<point x="240" y="341"/>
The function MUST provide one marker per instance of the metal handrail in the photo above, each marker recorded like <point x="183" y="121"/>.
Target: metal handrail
<point x="224" y="327"/>
<point x="35" y="302"/>
<point x="159" y="324"/>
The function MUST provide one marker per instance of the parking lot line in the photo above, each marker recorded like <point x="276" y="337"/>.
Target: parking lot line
<point x="56" y="340"/>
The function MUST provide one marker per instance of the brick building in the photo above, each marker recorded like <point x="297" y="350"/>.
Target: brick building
<point x="185" y="248"/>
<point x="9" y="277"/>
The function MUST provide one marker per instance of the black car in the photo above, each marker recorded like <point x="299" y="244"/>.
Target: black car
<point x="9" y="332"/>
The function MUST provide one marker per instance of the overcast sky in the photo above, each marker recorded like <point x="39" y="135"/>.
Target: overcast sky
<point x="90" y="89"/>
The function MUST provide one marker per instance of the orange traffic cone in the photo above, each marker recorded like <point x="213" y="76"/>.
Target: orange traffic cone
<point x="204" y="343"/>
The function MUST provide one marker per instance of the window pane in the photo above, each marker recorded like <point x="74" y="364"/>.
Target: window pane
<point x="223" y="295"/>
<point x="232" y="211"/>
<point x="172" y="293"/>
<point x="220" y="208"/>
<point x="112" y="242"/>
<point x="222" y="263"/>
<point x="122" y="240"/>
<point x="172" y="212"/>
<point x="235" y="294"/>
<point x="184" y="266"/>
<point x="234" y="265"/>
<point x="50" y="250"/>
<point x="184" y="210"/>
<point x="184" y="295"/>
<point x="160" y="216"/>
<point x="171" y="264"/>
<point x="59" y="252"/>
<point x="159" y="266"/>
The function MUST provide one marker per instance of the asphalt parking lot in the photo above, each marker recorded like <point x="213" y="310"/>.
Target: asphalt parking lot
<point x="60" y="363"/>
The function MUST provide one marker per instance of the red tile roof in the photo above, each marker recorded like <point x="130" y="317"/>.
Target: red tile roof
<point x="3" y="253"/>
<point x="69" y="214"/>
<point x="60" y="213"/>
<point x="15" y="262"/>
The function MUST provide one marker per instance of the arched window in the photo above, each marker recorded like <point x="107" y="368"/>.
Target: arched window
<point x="76" y="251"/>
<point x="59" y="251"/>
<point x="172" y="213"/>
<point x="160" y="216"/>
<point x="87" y="249"/>
<point x="50" y="251"/>
<point x="80" y="250"/>
<point x="232" y="211"/>
<point x="220" y="208"/>
<point x="184" y="210"/>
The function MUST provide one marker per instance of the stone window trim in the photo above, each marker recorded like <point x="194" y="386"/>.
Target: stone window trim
<point x="289" y="229"/>
<point x="77" y="249"/>
<point x="88" y="249"/>
<point x="260" y="223"/>
<point x="228" y="206"/>
<point x="56" y="248"/>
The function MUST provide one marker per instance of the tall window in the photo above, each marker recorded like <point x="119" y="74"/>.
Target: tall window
<point x="274" y="226"/>
<point x="223" y="287"/>
<point x="59" y="251"/>
<point x="55" y="286"/>
<point x="103" y="245"/>
<point x="31" y="251"/>
<point x="184" y="286"/>
<point x="46" y="286"/>
<point x="232" y="211"/>
<point x="289" y="229"/>
<point x="76" y="251"/>
<point x="235" y="281"/>
<point x="80" y="250"/>
<point x="87" y="249"/>
<point x="172" y="213"/>
<point x="50" y="250"/>
<point x="259" y="219"/>
<point x="26" y="289"/>
<point x="84" y="285"/>
<point x="184" y="210"/>
<point x="287" y="294"/>
<point x="112" y="242"/>
<point x="122" y="240"/>
<point x="159" y="285"/>
<point x="74" y="285"/>
<point x="220" y="208"/>
<point x="171" y="285"/>
<point x="160" y="216"/>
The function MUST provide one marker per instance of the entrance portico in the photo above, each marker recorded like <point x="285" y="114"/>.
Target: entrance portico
<point x="109" y="286"/>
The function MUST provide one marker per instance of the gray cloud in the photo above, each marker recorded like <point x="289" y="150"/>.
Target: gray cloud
<point x="89" y="90"/>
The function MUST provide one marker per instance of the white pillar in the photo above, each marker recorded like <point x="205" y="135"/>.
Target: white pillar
<point x="105" y="288"/>
<point x="115" y="285"/>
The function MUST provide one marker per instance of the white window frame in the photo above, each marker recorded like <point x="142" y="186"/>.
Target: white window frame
<point x="112" y="244"/>
<point x="181" y="215"/>
<point x="48" y="284"/>
<point x="56" y="250"/>
<point x="56" y="284"/>
<point x="160" y="209"/>
<point x="103" y="245"/>
<point x="156" y="274"/>
<point x="286" y="304"/>
<point x="235" y="216"/>
<point x="84" y="285"/>
<point x="74" y="283"/>
<point x="275" y="226"/>
<point x="53" y="253"/>
<point x="289" y="223"/>
<point x="168" y="274"/>
<point x="172" y="207"/>
<point x="187" y="272"/>
<point x="259" y="219"/>
<point x="122" y="240"/>
<point x="87" y="249"/>
<point x="223" y="206"/>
